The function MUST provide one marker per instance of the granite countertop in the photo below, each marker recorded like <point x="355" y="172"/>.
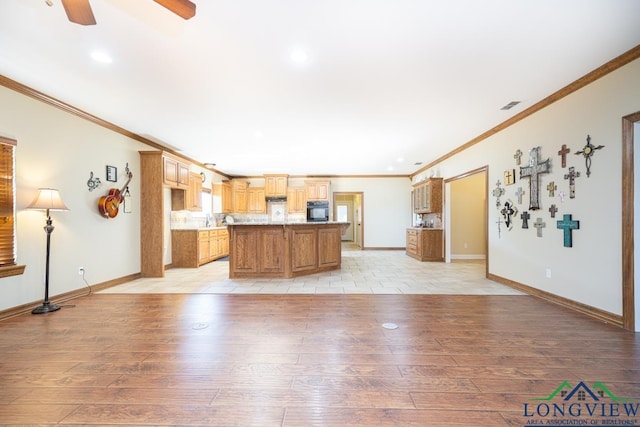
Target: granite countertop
<point x="425" y="228"/>
<point x="199" y="228"/>
<point x="292" y="223"/>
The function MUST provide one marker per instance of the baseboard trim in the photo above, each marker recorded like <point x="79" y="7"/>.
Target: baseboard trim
<point x="67" y="296"/>
<point x="596" y="313"/>
<point x="468" y="256"/>
<point x="382" y="249"/>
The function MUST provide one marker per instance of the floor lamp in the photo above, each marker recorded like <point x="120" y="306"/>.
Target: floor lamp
<point x="47" y="199"/>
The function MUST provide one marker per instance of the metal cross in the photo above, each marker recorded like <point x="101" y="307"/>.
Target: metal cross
<point x="539" y="225"/>
<point x="533" y="171"/>
<point x="567" y="224"/>
<point x="561" y="196"/>
<point x="563" y="155"/>
<point x="552" y="210"/>
<point x="524" y="216"/>
<point x="519" y="194"/>
<point x="498" y="192"/>
<point x="518" y="156"/>
<point x="507" y="212"/>
<point x="552" y="187"/>
<point x="588" y="151"/>
<point x="571" y="176"/>
<point x="499" y="221"/>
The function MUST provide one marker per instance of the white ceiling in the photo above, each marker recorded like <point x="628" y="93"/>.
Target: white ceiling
<point x="387" y="83"/>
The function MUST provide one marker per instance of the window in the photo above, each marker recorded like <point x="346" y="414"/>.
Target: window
<point x="8" y="265"/>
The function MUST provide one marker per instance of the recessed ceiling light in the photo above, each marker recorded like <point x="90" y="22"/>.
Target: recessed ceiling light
<point x="257" y="134"/>
<point x="389" y="168"/>
<point x="101" y="57"/>
<point x="400" y="159"/>
<point x="299" y="56"/>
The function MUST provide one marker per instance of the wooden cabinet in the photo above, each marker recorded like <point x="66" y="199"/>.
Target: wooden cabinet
<point x="296" y="200"/>
<point x="256" y="202"/>
<point x="175" y="172"/>
<point x="425" y="244"/>
<point x="317" y="190"/>
<point x="222" y="197"/>
<point x="239" y="195"/>
<point x="192" y="248"/>
<point x="275" y="185"/>
<point x="189" y="199"/>
<point x="427" y="196"/>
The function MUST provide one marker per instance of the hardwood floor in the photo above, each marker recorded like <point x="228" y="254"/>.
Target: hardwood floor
<point x="305" y="360"/>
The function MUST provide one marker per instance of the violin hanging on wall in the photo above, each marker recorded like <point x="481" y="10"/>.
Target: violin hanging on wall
<point x="109" y="205"/>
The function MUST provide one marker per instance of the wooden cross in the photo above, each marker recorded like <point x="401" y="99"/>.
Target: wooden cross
<point x="567" y="224"/>
<point x="552" y="187"/>
<point x="533" y="171"/>
<point x="563" y="155"/>
<point x="588" y="151"/>
<point x="552" y="210"/>
<point x="539" y="225"/>
<point x="519" y="194"/>
<point x="509" y="177"/>
<point x="518" y="156"/>
<point x="524" y="216"/>
<point x="507" y="212"/>
<point x="497" y="192"/>
<point x="571" y="176"/>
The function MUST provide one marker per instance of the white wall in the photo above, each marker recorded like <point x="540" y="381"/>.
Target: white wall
<point x="386" y="207"/>
<point x="590" y="272"/>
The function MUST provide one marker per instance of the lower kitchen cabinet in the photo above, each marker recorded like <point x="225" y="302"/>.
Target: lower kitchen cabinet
<point x="425" y="244"/>
<point x="192" y="248"/>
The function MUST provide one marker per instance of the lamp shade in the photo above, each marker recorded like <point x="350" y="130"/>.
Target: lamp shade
<point x="49" y="199"/>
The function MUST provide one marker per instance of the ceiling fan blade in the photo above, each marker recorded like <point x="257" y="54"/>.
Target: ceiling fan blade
<point x="79" y="12"/>
<point x="183" y="8"/>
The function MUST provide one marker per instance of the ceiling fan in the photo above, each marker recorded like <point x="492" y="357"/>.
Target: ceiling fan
<point x="79" y="11"/>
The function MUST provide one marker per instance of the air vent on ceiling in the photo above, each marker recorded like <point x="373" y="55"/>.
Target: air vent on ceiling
<point x="510" y="105"/>
<point x="417" y="163"/>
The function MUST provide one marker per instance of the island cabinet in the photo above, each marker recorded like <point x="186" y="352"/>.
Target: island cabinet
<point x="192" y="248"/>
<point x="284" y="250"/>
<point x="275" y="185"/>
<point x="425" y="244"/>
<point x="427" y="196"/>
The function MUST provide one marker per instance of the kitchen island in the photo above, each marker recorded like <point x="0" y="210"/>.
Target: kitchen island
<point x="284" y="250"/>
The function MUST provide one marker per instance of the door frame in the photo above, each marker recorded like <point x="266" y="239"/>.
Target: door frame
<point x="628" y="282"/>
<point x="360" y="206"/>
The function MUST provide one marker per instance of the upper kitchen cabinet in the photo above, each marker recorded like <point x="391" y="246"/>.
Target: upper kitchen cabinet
<point x="275" y="185"/>
<point x="256" y="202"/>
<point x="191" y="198"/>
<point x="296" y="200"/>
<point x="317" y="190"/>
<point x="222" y="197"/>
<point x="175" y="172"/>
<point x="427" y="196"/>
<point x="239" y="195"/>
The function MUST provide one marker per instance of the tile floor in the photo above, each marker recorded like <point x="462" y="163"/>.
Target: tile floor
<point x="362" y="272"/>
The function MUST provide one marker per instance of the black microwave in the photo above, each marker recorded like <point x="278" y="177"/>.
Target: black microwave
<point x="317" y="211"/>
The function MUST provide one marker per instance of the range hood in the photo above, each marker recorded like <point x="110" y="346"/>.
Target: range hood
<point x="276" y="199"/>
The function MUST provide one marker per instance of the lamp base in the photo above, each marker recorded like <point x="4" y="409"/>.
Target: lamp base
<point x="47" y="307"/>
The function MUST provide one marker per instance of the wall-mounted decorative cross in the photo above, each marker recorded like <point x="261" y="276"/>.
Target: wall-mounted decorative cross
<point x="524" y="216"/>
<point x="497" y="193"/>
<point x="588" y="151"/>
<point x="499" y="222"/>
<point x="567" y="225"/>
<point x="539" y="225"/>
<point x="508" y="211"/>
<point x="519" y="194"/>
<point x="518" y="157"/>
<point x="563" y="155"/>
<point x="552" y="187"/>
<point x="552" y="210"/>
<point x="533" y="171"/>
<point x="509" y="177"/>
<point x="571" y="176"/>
<point x="561" y="196"/>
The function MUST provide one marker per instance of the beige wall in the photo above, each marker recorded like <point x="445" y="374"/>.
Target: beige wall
<point x="468" y="217"/>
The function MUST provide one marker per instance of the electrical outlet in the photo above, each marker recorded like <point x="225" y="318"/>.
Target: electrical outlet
<point x="81" y="271"/>
<point x="548" y="272"/>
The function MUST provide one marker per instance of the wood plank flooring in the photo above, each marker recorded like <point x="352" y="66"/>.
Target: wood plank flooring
<point x="303" y="360"/>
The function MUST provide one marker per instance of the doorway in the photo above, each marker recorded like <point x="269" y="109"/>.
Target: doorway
<point x="349" y="207"/>
<point x="630" y="209"/>
<point x="466" y="217"/>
